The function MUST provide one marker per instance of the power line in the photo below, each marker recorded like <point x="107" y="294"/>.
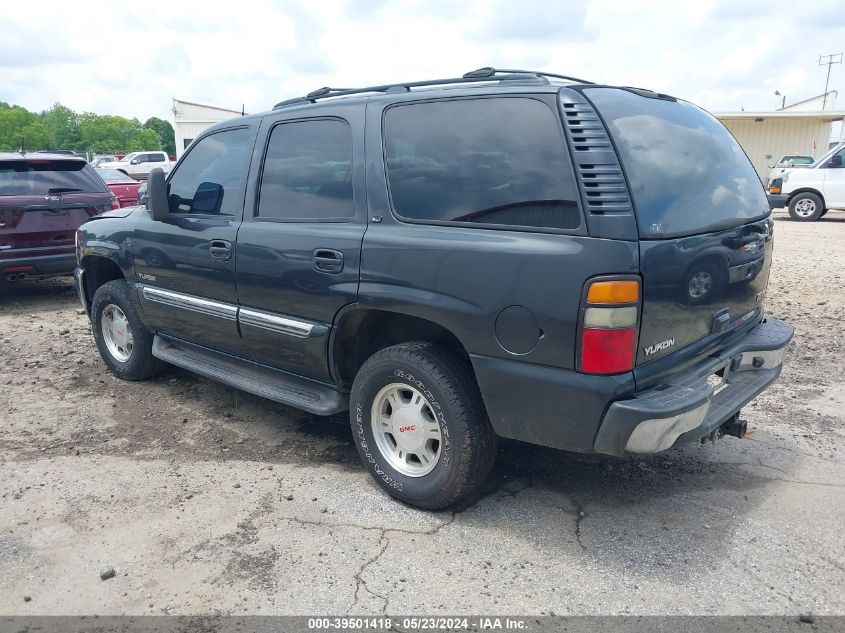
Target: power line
<point x="828" y="60"/>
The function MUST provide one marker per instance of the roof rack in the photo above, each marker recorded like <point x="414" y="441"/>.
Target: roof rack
<point x="482" y="74"/>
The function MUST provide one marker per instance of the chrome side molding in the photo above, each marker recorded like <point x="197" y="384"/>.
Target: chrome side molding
<point x="245" y="316"/>
<point x="275" y="323"/>
<point x="218" y="309"/>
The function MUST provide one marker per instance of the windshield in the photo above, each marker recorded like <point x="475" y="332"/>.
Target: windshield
<point x="113" y="175"/>
<point x="687" y="174"/>
<point x="129" y="157"/>
<point x="40" y="177"/>
<point x="828" y="154"/>
<point x="797" y="160"/>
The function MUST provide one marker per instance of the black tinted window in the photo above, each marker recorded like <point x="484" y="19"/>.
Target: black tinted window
<point x="155" y="158"/>
<point x="37" y="177"/>
<point x="687" y="173"/>
<point x="308" y="172"/>
<point x="210" y="179"/>
<point x="490" y="161"/>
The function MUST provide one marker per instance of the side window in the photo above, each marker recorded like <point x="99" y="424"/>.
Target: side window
<point x="156" y="158"/>
<point x="186" y="142"/>
<point x="307" y="174"/>
<point x="837" y="161"/>
<point x="141" y="158"/>
<point x="494" y="161"/>
<point x="210" y="178"/>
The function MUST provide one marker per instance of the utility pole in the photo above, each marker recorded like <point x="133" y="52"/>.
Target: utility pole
<point x="828" y="60"/>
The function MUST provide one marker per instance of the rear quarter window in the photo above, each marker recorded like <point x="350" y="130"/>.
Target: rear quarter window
<point x="35" y="177"/>
<point x="687" y="173"/>
<point x="492" y="161"/>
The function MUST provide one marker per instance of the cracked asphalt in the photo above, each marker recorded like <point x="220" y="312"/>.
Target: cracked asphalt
<point x="206" y="500"/>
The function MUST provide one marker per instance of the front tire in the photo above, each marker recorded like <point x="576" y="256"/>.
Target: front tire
<point x="124" y="343"/>
<point x="806" y="207"/>
<point x="703" y="283"/>
<point x="420" y="425"/>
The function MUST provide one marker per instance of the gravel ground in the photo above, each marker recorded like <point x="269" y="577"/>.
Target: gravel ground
<point x="207" y="500"/>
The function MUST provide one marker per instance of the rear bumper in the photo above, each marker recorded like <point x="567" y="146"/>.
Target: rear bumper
<point x="778" y="200"/>
<point x="40" y="265"/>
<point x="696" y="403"/>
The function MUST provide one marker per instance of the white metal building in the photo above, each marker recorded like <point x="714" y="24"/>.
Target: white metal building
<point x="766" y="136"/>
<point x="191" y="119"/>
<point x="805" y="127"/>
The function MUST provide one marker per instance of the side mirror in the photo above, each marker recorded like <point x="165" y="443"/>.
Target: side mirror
<point x="157" y="203"/>
<point x="771" y="166"/>
<point x="134" y="161"/>
<point x="208" y="198"/>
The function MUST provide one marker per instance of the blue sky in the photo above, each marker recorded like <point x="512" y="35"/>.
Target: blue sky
<point x="114" y="59"/>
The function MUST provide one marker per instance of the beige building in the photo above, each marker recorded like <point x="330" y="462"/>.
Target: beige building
<point x="191" y="119"/>
<point x="807" y="127"/>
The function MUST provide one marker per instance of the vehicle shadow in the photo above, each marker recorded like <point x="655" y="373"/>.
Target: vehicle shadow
<point x="36" y="296"/>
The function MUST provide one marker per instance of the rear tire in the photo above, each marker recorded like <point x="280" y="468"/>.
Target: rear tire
<point x="124" y="343"/>
<point x="806" y="207"/>
<point x="420" y="425"/>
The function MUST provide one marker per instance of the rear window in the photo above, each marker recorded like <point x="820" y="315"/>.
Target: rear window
<point x="687" y="173"/>
<point x="37" y="177"/>
<point x="493" y="161"/>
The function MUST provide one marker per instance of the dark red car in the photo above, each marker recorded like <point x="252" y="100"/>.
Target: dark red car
<point x="43" y="200"/>
<point x="122" y="186"/>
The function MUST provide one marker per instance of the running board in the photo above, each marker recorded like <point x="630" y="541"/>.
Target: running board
<point x="267" y="382"/>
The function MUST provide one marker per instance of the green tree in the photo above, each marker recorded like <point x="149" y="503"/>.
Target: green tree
<point x="165" y="132"/>
<point x="63" y="126"/>
<point x="13" y="126"/>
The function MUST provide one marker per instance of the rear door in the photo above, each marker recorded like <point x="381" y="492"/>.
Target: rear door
<point x="185" y="265"/>
<point x="299" y="247"/>
<point x="42" y="203"/>
<point x="704" y="222"/>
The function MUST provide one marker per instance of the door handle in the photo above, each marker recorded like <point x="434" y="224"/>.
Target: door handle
<point x="220" y="249"/>
<point x="327" y="260"/>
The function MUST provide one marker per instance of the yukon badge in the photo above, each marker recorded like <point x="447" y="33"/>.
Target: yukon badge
<point x="659" y="347"/>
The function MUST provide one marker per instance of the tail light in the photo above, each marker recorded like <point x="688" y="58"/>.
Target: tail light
<point x="115" y="203"/>
<point x="609" y="327"/>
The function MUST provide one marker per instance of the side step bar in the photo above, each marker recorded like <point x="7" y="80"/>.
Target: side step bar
<point x="267" y="382"/>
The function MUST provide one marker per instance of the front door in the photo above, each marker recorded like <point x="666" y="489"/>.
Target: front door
<point x="300" y="244"/>
<point x="185" y="265"/>
<point x="834" y="180"/>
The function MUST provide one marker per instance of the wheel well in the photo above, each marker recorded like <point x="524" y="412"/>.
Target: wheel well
<point x="361" y="333"/>
<point x="806" y="190"/>
<point x="99" y="270"/>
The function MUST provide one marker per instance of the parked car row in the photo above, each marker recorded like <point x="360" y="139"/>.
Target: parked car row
<point x="44" y="197"/>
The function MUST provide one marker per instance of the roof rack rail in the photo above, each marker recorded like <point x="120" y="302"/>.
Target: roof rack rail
<point x="488" y="72"/>
<point x="482" y="74"/>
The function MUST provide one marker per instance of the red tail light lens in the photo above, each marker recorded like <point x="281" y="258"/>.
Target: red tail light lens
<point x="609" y="326"/>
<point x="608" y="351"/>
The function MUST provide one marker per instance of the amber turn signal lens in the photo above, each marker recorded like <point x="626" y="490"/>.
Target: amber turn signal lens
<point x="620" y="291"/>
<point x="774" y="189"/>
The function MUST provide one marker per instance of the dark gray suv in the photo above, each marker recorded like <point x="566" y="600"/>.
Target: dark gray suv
<point x="504" y="254"/>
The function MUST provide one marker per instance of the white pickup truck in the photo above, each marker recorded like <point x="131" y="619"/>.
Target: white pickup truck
<point x="139" y="164"/>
